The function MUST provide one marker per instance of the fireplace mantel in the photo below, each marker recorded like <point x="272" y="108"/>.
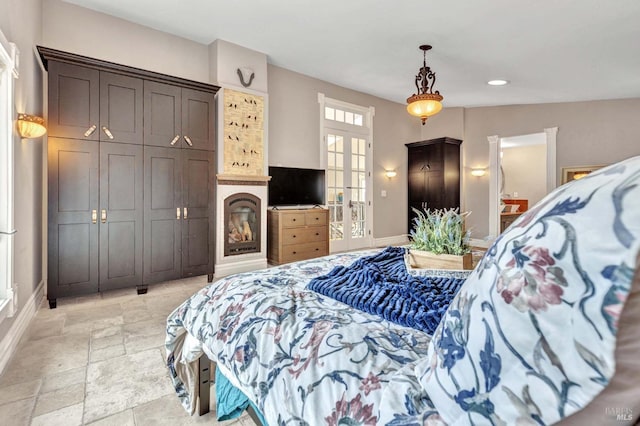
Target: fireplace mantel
<point x="226" y="179"/>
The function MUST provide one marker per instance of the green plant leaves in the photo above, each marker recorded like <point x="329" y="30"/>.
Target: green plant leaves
<point x="440" y="231"/>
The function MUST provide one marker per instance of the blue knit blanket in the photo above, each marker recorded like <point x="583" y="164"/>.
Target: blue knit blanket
<point x="380" y="285"/>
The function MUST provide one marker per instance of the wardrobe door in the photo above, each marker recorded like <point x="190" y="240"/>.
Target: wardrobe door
<point x="162" y="115"/>
<point x="121" y="100"/>
<point x="198" y="119"/>
<point x="120" y="215"/>
<point x="73" y="218"/>
<point x="162" y="214"/>
<point x="198" y="199"/>
<point x="73" y="101"/>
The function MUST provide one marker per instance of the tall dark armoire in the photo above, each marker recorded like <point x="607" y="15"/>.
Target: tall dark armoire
<point x="434" y="175"/>
<point x="131" y="168"/>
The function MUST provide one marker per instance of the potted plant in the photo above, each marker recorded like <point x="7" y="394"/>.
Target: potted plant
<point x="439" y="241"/>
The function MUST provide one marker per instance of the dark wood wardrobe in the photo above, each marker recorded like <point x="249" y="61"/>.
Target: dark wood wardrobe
<point x="131" y="169"/>
<point x="433" y="175"/>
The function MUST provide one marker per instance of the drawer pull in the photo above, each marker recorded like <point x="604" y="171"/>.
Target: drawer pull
<point x="294" y="219"/>
<point x="317" y="233"/>
<point x="317" y="218"/>
<point x="293" y="236"/>
<point x="294" y="252"/>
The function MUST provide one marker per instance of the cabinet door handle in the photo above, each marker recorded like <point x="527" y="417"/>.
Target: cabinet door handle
<point x="174" y="140"/>
<point x="94" y="216"/>
<point x="103" y="216"/>
<point x="294" y="252"/>
<point x="293" y="236"/>
<point x="184" y="213"/>
<point x="90" y="131"/>
<point x="188" y="140"/>
<point x="107" y="132"/>
<point x="317" y="234"/>
<point x="177" y="213"/>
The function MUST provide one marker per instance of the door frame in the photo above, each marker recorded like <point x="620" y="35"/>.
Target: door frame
<point x="365" y="131"/>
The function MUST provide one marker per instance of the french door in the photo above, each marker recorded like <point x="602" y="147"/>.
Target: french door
<point x="348" y="181"/>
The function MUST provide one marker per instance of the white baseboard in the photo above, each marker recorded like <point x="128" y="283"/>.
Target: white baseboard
<point x="224" y="269"/>
<point x="391" y="241"/>
<point x="12" y="338"/>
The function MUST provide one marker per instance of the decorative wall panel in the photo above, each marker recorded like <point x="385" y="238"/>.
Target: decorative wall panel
<point x="243" y="134"/>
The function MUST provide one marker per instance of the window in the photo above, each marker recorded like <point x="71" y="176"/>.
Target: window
<point x="7" y="73"/>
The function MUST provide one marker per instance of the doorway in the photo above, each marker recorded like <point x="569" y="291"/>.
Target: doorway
<point x="346" y="155"/>
<point x="497" y="185"/>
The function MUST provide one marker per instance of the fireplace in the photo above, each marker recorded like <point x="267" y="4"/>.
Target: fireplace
<point x="241" y="224"/>
<point x="242" y="218"/>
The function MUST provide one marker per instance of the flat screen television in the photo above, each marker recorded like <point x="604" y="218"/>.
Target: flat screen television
<point x="291" y="186"/>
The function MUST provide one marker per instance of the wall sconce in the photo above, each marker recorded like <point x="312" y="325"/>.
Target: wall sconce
<point x="478" y="172"/>
<point x="390" y="174"/>
<point x="30" y="126"/>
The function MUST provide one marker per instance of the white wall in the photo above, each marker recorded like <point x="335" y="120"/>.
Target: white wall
<point x="525" y="172"/>
<point x="86" y="32"/>
<point x="294" y="139"/>
<point x="594" y="132"/>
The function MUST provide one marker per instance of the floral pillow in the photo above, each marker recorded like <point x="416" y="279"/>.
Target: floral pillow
<point x="530" y="337"/>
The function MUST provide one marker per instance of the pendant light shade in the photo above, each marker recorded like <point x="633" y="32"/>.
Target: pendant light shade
<point x="426" y="102"/>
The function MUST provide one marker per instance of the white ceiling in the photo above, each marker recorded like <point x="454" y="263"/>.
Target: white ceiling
<point x="550" y="51"/>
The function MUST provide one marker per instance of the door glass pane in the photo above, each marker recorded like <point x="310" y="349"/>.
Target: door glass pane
<point x="358" y="195"/>
<point x="335" y="185"/>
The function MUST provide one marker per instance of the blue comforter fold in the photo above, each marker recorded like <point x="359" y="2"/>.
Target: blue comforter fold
<point x="381" y="285"/>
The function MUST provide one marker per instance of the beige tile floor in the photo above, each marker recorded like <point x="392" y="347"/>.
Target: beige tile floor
<point x="99" y="360"/>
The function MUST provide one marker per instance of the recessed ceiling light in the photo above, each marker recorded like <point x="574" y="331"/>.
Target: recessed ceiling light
<point x="497" y="82"/>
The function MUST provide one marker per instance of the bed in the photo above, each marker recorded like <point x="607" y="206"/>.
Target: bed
<point x="544" y="330"/>
<point x="274" y="338"/>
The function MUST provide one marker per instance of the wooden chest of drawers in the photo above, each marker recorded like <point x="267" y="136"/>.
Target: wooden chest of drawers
<point x="294" y="235"/>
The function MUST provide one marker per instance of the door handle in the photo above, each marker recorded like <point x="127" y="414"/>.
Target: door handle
<point x="103" y="216"/>
<point x="94" y="216"/>
<point x="174" y="140"/>
<point x="188" y="140"/>
<point x="107" y="132"/>
<point x="184" y="213"/>
<point x="90" y="131"/>
<point x="177" y="213"/>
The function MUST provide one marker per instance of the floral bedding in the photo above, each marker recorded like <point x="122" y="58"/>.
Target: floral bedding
<point x="302" y="358"/>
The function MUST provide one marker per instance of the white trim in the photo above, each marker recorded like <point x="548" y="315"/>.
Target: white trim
<point x="494" y="185"/>
<point x="552" y="174"/>
<point x="12" y="338"/>
<point x="222" y="270"/>
<point x="395" y="240"/>
<point x="9" y="54"/>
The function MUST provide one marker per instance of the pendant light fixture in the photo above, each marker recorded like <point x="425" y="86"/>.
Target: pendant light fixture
<point x="426" y="102"/>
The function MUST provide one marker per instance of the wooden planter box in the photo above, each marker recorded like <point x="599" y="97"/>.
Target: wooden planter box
<point x="427" y="260"/>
